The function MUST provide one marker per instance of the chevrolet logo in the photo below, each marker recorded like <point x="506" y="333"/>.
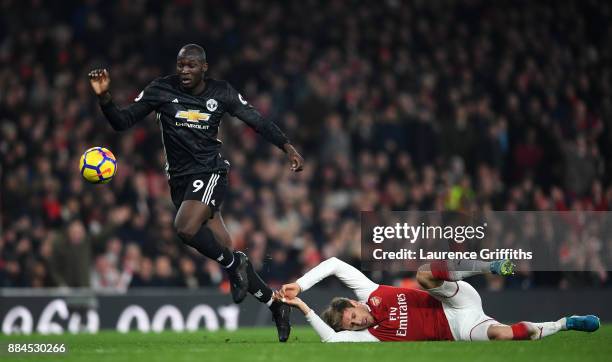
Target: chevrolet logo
<point x="192" y="115"/>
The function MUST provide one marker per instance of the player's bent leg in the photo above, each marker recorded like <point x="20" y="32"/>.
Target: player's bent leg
<point x="256" y="286"/>
<point x="463" y="309"/>
<point x="220" y="232"/>
<point x="190" y="217"/>
<point x="189" y="224"/>
<point x="459" y="295"/>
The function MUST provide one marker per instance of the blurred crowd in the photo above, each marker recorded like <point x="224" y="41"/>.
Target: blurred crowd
<point x="395" y="105"/>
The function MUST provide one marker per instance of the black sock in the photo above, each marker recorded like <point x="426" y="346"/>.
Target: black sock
<point x="257" y="287"/>
<point x="204" y="241"/>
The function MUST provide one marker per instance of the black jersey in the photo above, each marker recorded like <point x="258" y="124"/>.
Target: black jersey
<point x="190" y="123"/>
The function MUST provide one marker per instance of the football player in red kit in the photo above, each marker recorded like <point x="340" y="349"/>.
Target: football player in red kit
<point x="448" y="309"/>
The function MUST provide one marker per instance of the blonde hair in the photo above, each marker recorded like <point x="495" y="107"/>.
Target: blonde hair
<point x="332" y="315"/>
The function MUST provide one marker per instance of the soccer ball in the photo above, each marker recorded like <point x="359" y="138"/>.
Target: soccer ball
<point x="98" y="165"/>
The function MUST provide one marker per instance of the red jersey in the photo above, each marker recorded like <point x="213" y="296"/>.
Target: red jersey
<point x="404" y="314"/>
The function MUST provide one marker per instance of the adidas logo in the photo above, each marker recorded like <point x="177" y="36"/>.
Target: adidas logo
<point x="213" y="202"/>
<point x="220" y="258"/>
<point x="175" y="100"/>
<point x="258" y="294"/>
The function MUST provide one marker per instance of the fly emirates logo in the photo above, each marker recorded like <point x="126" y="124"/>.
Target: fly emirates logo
<point x="400" y="313"/>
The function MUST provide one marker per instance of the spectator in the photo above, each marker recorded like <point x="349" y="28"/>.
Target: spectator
<point x="164" y="275"/>
<point x="71" y="261"/>
<point x="143" y="276"/>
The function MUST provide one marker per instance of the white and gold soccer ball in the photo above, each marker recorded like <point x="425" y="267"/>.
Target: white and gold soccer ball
<point x="98" y="165"/>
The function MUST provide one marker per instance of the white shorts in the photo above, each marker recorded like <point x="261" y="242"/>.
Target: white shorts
<point x="463" y="309"/>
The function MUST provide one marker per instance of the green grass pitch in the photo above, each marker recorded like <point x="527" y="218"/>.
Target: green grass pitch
<point x="259" y="344"/>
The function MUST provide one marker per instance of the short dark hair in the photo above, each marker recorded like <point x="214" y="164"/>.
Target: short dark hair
<point x="194" y="49"/>
<point x="333" y="314"/>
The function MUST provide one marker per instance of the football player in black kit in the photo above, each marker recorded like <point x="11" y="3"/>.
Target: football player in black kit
<point x="189" y="108"/>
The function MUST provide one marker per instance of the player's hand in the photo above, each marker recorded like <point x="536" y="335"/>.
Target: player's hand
<point x="296" y="160"/>
<point x="297" y="303"/>
<point x="289" y="291"/>
<point x="100" y="81"/>
<point x="294" y="302"/>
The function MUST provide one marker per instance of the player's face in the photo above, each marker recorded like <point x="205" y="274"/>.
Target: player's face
<point x="190" y="69"/>
<point x="357" y="318"/>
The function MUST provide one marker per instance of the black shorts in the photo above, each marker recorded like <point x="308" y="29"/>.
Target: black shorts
<point x="208" y="188"/>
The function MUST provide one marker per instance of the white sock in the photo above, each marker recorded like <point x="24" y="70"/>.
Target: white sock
<point x="468" y="268"/>
<point x="545" y="329"/>
<point x="454" y="270"/>
<point x="269" y="303"/>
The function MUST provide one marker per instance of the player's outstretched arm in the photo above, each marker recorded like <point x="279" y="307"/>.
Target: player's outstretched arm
<point x="351" y="277"/>
<point x="120" y="119"/>
<point x="324" y="331"/>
